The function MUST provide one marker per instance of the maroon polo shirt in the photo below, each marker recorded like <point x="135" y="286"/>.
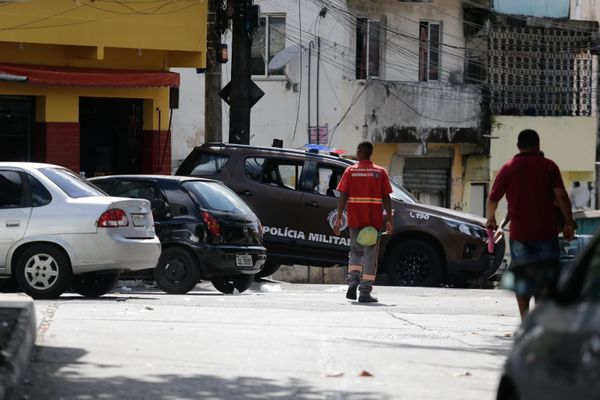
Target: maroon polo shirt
<point x="528" y="181"/>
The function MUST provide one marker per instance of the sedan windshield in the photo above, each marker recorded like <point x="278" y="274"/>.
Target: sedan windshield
<point x="70" y="183"/>
<point x="217" y="197"/>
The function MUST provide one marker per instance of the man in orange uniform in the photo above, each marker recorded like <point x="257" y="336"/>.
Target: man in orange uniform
<point x="364" y="188"/>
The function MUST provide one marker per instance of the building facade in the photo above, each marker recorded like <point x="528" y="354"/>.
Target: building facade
<point x="87" y="84"/>
<point x="388" y="71"/>
<point x="539" y="65"/>
<point x="441" y="87"/>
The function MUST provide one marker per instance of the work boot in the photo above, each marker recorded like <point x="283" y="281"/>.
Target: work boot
<point x="367" y="298"/>
<point x="351" y="292"/>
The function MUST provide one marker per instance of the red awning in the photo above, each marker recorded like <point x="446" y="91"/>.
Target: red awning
<point x="65" y="76"/>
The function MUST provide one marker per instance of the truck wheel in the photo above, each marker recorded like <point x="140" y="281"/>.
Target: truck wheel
<point x="414" y="263"/>
<point x="226" y="284"/>
<point x="268" y="270"/>
<point x="94" y="284"/>
<point x="177" y="272"/>
<point x="43" y="271"/>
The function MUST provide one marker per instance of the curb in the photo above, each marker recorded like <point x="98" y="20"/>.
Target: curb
<point x="16" y="345"/>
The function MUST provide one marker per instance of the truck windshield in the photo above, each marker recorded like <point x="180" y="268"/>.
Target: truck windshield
<point x="400" y="193"/>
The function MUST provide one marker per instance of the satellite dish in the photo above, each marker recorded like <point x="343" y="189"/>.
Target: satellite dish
<point x="284" y="57"/>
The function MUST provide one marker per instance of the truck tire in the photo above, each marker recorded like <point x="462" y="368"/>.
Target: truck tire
<point x="414" y="263"/>
<point x="268" y="270"/>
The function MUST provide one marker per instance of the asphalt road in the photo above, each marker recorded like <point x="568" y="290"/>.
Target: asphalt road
<point x="275" y="341"/>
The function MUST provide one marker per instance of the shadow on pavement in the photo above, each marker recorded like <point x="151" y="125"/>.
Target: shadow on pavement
<point x="500" y="346"/>
<point x="47" y="380"/>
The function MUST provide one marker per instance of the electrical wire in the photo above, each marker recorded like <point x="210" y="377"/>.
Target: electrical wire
<point x="27" y="25"/>
<point x="298" y="100"/>
<point x="461" y="57"/>
<point x="352" y="103"/>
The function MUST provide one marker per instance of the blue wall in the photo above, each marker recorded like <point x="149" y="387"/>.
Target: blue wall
<point x="536" y="8"/>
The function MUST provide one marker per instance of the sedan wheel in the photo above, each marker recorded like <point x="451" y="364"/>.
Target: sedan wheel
<point x="94" y="284"/>
<point x="43" y="271"/>
<point x="268" y="270"/>
<point x="176" y="272"/>
<point x="227" y="284"/>
<point x="414" y="263"/>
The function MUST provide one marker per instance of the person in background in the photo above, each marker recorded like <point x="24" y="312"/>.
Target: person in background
<point x="532" y="185"/>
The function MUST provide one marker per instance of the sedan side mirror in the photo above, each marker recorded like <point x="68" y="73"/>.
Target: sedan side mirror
<point x="160" y="208"/>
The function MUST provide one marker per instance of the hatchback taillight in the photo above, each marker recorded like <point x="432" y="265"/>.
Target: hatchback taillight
<point x="211" y="224"/>
<point x="113" y="218"/>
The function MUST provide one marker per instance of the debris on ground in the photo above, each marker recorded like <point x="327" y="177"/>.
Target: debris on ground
<point x="365" y="373"/>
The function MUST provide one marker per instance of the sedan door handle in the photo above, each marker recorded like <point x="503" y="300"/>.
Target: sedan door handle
<point x="13" y="224"/>
<point x="245" y="193"/>
<point x="312" y="204"/>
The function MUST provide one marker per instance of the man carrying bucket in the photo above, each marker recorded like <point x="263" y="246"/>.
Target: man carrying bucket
<point x="364" y="188"/>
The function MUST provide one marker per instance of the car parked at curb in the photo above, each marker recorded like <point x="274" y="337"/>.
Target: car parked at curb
<point x="206" y="230"/>
<point x="57" y="231"/>
<point x="556" y="351"/>
<point x="294" y="194"/>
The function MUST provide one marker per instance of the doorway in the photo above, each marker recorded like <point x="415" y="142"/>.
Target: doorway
<point x="17" y="119"/>
<point x="110" y="136"/>
<point x="428" y="179"/>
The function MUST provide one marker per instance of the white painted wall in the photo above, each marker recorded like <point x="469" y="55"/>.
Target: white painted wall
<point x="275" y="115"/>
<point x="585" y="10"/>
<point x="188" y="119"/>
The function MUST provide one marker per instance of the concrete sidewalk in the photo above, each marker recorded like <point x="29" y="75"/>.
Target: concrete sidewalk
<point x="17" y="339"/>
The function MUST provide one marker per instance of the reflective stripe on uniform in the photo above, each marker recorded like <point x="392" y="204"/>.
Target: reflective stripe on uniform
<point x="365" y="200"/>
<point x="357" y="268"/>
<point x="366" y="277"/>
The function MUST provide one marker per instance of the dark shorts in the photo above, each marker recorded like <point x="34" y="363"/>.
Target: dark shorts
<point x="535" y="266"/>
<point x="534" y="251"/>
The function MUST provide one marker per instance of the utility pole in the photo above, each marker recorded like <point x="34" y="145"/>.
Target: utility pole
<point x="213" y="119"/>
<point x="239" y="120"/>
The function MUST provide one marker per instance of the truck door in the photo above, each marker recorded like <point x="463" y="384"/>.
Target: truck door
<point x="318" y="208"/>
<point x="270" y="186"/>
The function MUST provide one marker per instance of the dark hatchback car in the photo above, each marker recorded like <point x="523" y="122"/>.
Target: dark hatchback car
<point x="207" y="232"/>
<point x="294" y="194"/>
<point x="556" y="353"/>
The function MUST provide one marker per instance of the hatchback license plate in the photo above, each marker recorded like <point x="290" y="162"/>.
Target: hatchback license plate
<point x="243" y="260"/>
<point x="138" y="219"/>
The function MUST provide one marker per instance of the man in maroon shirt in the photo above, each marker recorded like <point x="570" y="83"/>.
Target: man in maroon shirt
<point x="365" y="190"/>
<point x="532" y="185"/>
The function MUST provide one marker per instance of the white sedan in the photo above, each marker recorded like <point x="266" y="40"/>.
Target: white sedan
<point x="58" y="231"/>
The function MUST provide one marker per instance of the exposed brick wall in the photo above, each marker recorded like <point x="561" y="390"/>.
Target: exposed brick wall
<point x="58" y="143"/>
<point x="156" y="152"/>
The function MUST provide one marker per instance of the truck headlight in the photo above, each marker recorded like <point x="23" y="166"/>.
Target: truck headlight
<point x="467" y="229"/>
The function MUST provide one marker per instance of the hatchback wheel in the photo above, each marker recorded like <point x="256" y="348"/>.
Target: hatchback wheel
<point x="176" y="272"/>
<point x="227" y="284"/>
<point x="43" y="271"/>
<point x="94" y="284"/>
<point x="268" y="270"/>
<point x="414" y="263"/>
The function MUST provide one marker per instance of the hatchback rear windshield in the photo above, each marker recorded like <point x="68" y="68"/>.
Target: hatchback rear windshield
<point x="70" y="183"/>
<point x="217" y="197"/>
<point x="209" y="164"/>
